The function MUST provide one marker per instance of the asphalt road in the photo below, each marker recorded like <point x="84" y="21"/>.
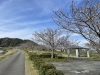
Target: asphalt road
<point x="14" y="65"/>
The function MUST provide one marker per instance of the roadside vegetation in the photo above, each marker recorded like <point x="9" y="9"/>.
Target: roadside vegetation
<point x="7" y="53"/>
<point x="41" y="65"/>
<point x="29" y="66"/>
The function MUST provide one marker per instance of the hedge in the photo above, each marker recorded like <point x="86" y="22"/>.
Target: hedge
<point x="44" y="69"/>
<point x="47" y="55"/>
<point x="53" y="72"/>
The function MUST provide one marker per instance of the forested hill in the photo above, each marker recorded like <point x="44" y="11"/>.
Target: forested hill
<point x="12" y="42"/>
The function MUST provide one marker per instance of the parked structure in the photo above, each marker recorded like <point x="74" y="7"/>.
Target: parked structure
<point x="77" y="51"/>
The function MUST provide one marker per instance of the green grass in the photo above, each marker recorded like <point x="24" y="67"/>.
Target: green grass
<point x="54" y="60"/>
<point x="94" y="56"/>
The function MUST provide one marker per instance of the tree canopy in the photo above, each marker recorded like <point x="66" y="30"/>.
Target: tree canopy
<point x="83" y="20"/>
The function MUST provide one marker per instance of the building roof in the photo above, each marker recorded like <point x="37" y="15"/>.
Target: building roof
<point x="80" y="48"/>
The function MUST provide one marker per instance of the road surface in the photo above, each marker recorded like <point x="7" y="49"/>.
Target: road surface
<point x="79" y="67"/>
<point x="14" y="65"/>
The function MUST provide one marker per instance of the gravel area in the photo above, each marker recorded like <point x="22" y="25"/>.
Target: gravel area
<point x="79" y="67"/>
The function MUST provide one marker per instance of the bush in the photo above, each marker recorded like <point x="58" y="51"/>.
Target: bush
<point x="26" y="51"/>
<point x="59" y="56"/>
<point x="45" y="68"/>
<point x="54" y="72"/>
<point x="46" y="55"/>
<point x="38" y="63"/>
<point x="36" y="60"/>
<point x="32" y="55"/>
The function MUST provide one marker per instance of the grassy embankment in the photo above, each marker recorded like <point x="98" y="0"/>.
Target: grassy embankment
<point x="7" y="54"/>
<point x="29" y="67"/>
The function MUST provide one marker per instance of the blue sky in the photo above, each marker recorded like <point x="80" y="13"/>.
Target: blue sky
<point x="20" y="18"/>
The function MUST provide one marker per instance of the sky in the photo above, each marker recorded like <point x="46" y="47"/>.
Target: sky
<point x="20" y="18"/>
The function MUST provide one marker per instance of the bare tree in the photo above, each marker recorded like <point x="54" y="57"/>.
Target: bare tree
<point x="63" y="42"/>
<point x="28" y="45"/>
<point x="83" y="20"/>
<point x="48" y="37"/>
<point x="91" y="45"/>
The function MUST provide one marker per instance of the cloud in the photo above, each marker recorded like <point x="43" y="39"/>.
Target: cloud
<point x="23" y="33"/>
<point x="20" y="18"/>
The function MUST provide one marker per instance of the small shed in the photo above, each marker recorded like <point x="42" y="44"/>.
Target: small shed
<point x="77" y="51"/>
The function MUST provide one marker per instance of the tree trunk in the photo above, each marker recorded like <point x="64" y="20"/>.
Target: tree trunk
<point x="52" y="54"/>
<point x="68" y="53"/>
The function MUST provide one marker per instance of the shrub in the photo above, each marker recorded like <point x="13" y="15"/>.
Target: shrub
<point x="32" y="55"/>
<point x="38" y="64"/>
<point x="46" y="67"/>
<point x="59" y="56"/>
<point x="54" y="72"/>
<point x="26" y="51"/>
<point x="46" y="55"/>
<point x="36" y="60"/>
<point x="58" y="72"/>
